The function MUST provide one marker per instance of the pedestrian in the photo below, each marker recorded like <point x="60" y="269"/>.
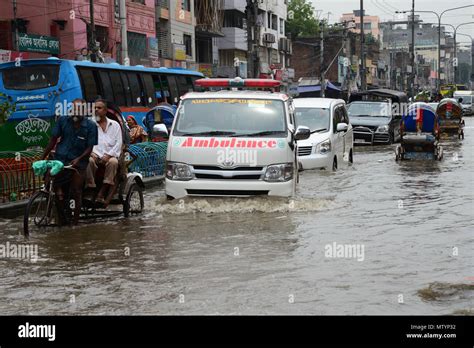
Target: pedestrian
<point x="137" y="133"/>
<point x="106" y="153"/>
<point x="74" y="137"/>
<point x="84" y="55"/>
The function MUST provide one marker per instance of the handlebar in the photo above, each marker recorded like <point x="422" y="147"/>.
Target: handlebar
<point x="70" y="168"/>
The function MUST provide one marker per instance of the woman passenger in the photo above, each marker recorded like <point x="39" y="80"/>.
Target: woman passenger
<point x="137" y="133"/>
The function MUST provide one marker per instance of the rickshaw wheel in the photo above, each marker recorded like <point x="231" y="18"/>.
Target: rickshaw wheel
<point x="134" y="201"/>
<point x="39" y="213"/>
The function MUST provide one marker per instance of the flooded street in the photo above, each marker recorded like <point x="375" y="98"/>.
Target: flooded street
<point x="412" y="220"/>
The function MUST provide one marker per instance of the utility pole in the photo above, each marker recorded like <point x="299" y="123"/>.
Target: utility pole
<point x="17" y="45"/>
<point x="363" y="84"/>
<point x="92" y="44"/>
<point x="321" y="62"/>
<point x="455" y="62"/>
<point x="252" y="9"/>
<point x="123" y="32"/>
<point x="412" y="49"/>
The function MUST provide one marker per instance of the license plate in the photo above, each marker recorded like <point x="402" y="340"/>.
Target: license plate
<point x="360" y="141"/>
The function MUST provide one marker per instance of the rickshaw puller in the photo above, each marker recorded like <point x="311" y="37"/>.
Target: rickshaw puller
<point x="77" y="135"/>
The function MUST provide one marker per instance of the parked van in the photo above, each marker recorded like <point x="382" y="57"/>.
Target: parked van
<point x="233" y="142"/>
<point x="331" y="141"/>
<point x="467" y="101"/>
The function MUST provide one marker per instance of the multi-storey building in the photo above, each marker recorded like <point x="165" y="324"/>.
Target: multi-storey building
<point x="270" y="49"/>
<point x="175" y="23"/>
<point x="396" y="38"/>
<point x="63" y="25"/>
<point x="371" y="23"/>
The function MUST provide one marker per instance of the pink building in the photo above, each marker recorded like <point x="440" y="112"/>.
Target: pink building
<point x="371" y="23"/>
<point x="66" y="21"/>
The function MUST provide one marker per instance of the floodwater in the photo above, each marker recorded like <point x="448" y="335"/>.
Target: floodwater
<point x="410" y="223"/>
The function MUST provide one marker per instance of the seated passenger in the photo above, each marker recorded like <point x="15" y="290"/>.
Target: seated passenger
<point x="106" y="152"/>
<point x="137" y="133"/>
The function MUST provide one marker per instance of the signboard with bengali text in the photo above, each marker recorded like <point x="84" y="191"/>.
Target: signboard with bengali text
<point x="38" y="43"/>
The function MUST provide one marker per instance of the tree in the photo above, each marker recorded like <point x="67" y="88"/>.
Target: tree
<point x="301" y="20"/>
<point x="6" y="109"/>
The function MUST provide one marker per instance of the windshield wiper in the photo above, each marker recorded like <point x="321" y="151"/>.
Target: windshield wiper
<point x="258" y="133"/>
<point x="318" y="130"/>
<point x="211" y="133"/>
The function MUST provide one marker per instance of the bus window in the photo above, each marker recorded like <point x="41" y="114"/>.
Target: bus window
<point x="119" y="95"/>
<point x="31" y="77"/>
<point x="89" y="84"/>
<point x="126" y="88"/>
<point x="106" y="92"/>
<point x="185" y="84"/>
<point x="158" y="91"/>
<point x="136" y="89"/>
<point x="173" y="89"/>
<point x="150" y="90"/>
<point x="165" y="87"/>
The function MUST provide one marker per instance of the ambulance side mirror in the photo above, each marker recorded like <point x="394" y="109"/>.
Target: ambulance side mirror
<point x="302" y="133"/>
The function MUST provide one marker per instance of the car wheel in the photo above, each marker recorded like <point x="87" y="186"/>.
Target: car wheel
<point x="334" y="164"/>
<point x="351" y="159"/>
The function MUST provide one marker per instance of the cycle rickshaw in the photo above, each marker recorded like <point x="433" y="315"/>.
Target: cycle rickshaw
<point x="42" y="209"/>
<point x="451" y="123"/>
<point x="419" y="134"/>
<point x="126" y="195"/>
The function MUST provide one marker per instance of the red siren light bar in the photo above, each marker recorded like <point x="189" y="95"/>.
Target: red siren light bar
<point x="238" y="82"/>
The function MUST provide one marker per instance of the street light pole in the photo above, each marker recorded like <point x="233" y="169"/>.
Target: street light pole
<point x="321" y="62"/>
<point x="456" y="50"/>
<point x="363" y="83"/>
<point x="412" y="74"/>
<point x="123" y="32"/>
<point x="438" y="80"/>
<point x="471" y="76"/>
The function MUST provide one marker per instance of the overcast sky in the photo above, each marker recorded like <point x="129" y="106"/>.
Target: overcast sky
<point x="385" y="9"/>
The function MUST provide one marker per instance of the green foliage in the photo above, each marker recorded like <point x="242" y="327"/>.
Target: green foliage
<point x="6" y="109"/>
<point x="301" y="20"/>
<point x="370" y="39"/>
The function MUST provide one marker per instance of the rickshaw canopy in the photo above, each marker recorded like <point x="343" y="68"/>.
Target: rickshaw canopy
<point x="422" y="114"/>
<point x="449" y="108"/>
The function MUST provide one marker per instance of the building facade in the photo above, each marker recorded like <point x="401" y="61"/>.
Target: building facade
<point x="175" y="23"/>
<point x="270" y="47"/>
<point x="396" y="40"/>
<point x="371" y="23"/>
<point x="63" y="25"/>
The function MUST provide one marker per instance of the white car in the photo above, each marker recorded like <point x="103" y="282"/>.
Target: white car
<point x="331" y="141"/>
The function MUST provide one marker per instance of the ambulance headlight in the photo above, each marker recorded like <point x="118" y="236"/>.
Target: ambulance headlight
<point x="179" y="171"/>
<point x="279" y="172"/>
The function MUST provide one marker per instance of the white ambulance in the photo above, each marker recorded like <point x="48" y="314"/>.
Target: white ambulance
<point x="237" y="142"/>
